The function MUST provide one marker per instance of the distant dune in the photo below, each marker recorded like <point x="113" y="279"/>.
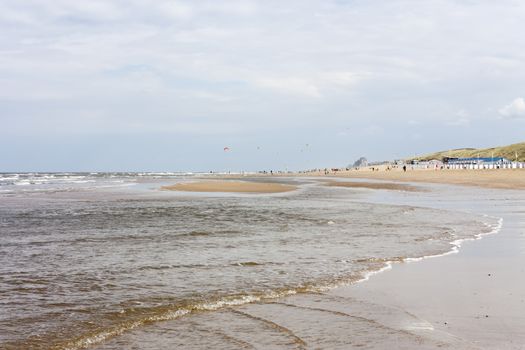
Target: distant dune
<point x="508" y="152"/>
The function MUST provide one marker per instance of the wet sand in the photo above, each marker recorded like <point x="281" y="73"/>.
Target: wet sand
<point x="500" y="178"/>
<point x="476" y="296"/>
<point x="230" y="186"/>
<point x="376" y="186"/>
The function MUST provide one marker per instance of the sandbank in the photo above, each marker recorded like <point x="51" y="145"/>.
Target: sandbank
<point x="230" y="186"/>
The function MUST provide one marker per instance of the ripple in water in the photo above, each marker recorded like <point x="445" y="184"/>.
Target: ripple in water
<point x="76" y="271"/>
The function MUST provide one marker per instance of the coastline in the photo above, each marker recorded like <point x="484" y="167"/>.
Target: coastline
<point x="473" y="293"/>
<point x="455" y="247"/>
<point x="511" y="179"/>
<point x="500" y="178"/>
<point x="441" y="302"/>
<point x="447" y="302"/>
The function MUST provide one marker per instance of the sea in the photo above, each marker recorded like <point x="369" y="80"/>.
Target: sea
<point x="113" y="261"/>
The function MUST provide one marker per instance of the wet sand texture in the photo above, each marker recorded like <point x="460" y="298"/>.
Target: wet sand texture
<point x="376" y="186"/>
<point x="230" y="186"/>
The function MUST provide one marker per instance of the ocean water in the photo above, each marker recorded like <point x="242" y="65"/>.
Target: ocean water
<point x="89" y="259"/>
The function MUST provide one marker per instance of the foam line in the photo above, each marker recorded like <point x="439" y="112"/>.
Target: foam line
<point x="454" y="249"/>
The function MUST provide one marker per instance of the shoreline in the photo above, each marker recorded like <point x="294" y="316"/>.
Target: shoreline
<point x="412" y="299"/>
<point x="425" y="302"/>
<point x="455" y="296"/>
<point x="444" y="321"/>
<point x="454" y="249"/>
<point x="248" y="300"/>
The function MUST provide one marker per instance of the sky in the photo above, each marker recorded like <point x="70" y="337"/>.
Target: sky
<point x="128" y="85"/>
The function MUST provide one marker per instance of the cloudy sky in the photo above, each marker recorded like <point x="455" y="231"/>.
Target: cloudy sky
<point x="166" y="85"/>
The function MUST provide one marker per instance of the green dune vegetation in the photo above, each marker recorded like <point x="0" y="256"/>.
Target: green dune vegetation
<point x="510" y="152"/>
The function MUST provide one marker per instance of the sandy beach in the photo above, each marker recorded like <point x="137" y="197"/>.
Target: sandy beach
<point x="230" y="186"/>
<point x="501" y="178"/>
<point x="473" y="299"/>
<point x="477" y="296"/>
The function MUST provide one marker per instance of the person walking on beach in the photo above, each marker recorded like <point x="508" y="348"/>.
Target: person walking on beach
<point x="405" y="168"/>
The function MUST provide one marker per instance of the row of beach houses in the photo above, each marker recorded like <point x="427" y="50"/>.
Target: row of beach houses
<point x="469" y="163"/>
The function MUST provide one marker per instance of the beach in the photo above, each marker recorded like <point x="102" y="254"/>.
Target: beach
<point x="470" y="299"/>
<point x="333" y="264"/>
<point x="475" y="295"/>
<point x="266" y="175"/>
<point x="500" y="178"/>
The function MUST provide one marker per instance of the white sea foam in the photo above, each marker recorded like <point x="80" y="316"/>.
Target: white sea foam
<point x="455" y="245"/>
<point x="369" y="274"/>
<point x="169" y="315"/>
<point x="22" y="183"/>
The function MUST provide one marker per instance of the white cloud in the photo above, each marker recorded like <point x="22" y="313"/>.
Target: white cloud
<point x="316" y="85"/>
<point x="373" y="130"/>
<point x="462" y="119"/>
<point x="267" y="60"/>
<point x="516" y="109"/>
<point x="459" y="122"/>
<point x="175" y="10"/>
<point x="462" y="113"/>
<point x="293" y="86"/>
